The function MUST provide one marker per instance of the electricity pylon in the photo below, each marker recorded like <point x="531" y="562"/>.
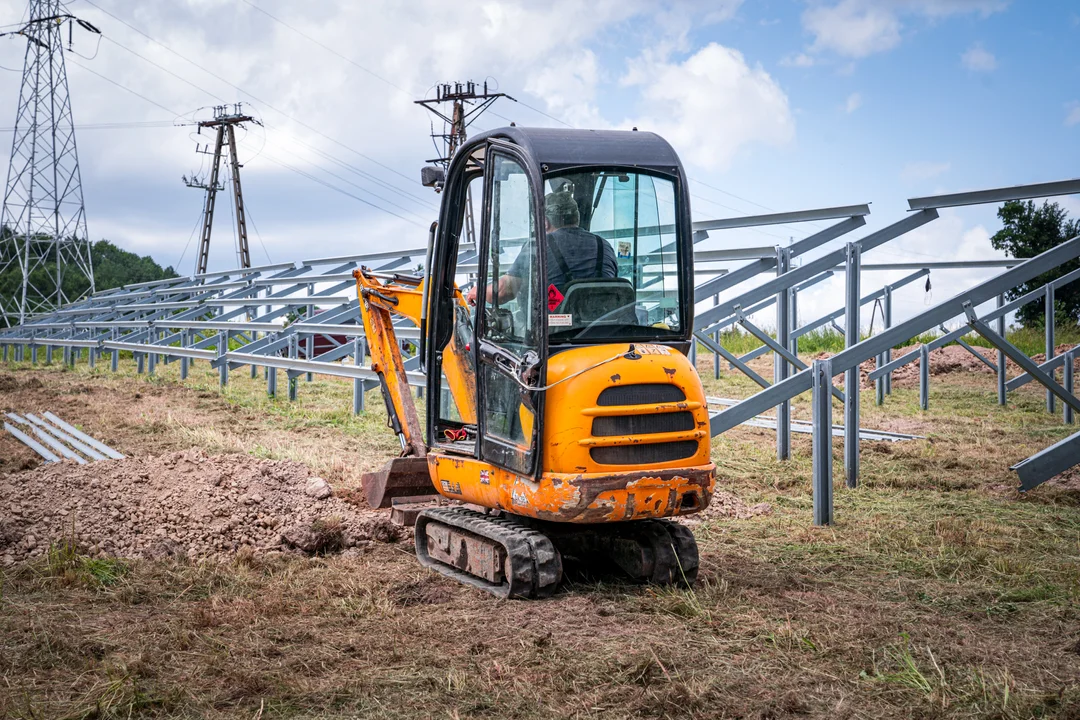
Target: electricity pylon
<point x="456" y="124"/>
<point x="44" y="247"/>
<point x="225" y="123"/>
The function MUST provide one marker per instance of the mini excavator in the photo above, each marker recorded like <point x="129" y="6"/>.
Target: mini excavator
<point x="562" y="414"/>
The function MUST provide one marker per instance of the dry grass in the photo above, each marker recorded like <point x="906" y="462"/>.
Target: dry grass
<point x="939" y="592"/>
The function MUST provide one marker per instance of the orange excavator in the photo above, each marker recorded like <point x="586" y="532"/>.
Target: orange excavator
<point x="563" y="419"/>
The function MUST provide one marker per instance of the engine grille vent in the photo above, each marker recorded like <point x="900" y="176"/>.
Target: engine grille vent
<point x="641" y="394"/>
<point x="644" y="454"/>
<point x="642" y="424"/>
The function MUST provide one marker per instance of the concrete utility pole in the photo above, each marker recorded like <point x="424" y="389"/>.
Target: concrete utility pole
<point x="456" y="124"/>
<point x="43" y="219"/>
<point x="225" y="123"/>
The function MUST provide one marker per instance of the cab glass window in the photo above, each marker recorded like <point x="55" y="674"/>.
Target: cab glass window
<point x="612" y="256"/>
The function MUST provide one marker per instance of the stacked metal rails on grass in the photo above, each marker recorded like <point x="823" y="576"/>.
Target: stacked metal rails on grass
<point x="55" y="440"/>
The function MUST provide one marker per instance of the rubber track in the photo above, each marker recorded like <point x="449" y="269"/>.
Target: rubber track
<point x="535" y="564"/>
<point x="686" y="551"/>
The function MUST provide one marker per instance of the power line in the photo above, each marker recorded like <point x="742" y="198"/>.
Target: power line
<point x="126" y="88"/>
<point x="331" y="50"/>
<point x="252" y="96"/>
<point x="349" y="182"/>
<point x="313" y="148"/>
<point x="116" y="125"/>
<point x="337" y="189"/>
<point x="164" y="69"/>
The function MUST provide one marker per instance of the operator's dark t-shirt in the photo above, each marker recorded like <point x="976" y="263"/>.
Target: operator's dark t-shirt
<point x="578" y="248"/>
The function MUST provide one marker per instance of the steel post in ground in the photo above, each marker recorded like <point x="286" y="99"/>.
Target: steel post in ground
<point x="151" y="359"/>
<point x="184" y="361"/>
<point x="271" y="382"/>
<point x="879" y="384"/>
<point x="822" y="459"/>
<point x="67" y="356"/>
<point x="924" y="378"/>
<point x="48" y="354"/>
<point x="33" y="354"/>
<point x="115" y="360"/>
<point x="1067" y="378"/>
<point x="1049" y="340"/>
<point x="5" y="353"/>
<point x="76" y="356"/>
<point x="222" y="348"/>
<point x="887" y="308"/>
<point x="794" y="319"/>
<point x="1002" y="399"/>
<point x="780" y="363"/>
<point x="92" y="357"/>
<point x="292" y="355"/>
<point x="140" y="362"/>
<point x="358" y="384"/>
<point x="851" y="379"/>
<point x="716" y="339"/>
<point x="311" y="337"/>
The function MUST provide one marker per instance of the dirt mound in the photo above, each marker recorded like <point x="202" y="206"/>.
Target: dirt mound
<point x="184" y="503"/>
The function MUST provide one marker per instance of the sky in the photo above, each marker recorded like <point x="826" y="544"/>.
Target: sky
<point x="773" y="105"/>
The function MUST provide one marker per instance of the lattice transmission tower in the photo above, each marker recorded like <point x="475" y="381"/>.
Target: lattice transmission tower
<point x="44" y="247"/>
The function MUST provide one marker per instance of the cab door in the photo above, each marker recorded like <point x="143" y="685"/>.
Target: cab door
<point x="510" y="331"/>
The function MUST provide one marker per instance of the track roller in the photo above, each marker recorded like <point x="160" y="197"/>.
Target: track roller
<point x="654" y="552"/>
<point x="501" y="555"/>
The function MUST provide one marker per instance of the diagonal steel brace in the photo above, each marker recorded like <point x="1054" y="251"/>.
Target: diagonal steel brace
<point x="1017" y="356"/>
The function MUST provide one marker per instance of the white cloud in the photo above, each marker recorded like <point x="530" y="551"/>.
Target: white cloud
<point x="852" y="28"/>
<point x="1072" y="113"/>
<point x="859" y="28"/>
<point x="979" y="59"/>
<point x="798" y="60"/>
<point x="711" y="105"/>
<point x="853" y="103"/>
<point x="923" y="170"/>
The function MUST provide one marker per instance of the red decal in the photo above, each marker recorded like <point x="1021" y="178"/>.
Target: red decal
<point x="554" y="298"/>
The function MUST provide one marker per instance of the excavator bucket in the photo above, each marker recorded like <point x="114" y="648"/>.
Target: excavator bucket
<point x="401" y="477"/>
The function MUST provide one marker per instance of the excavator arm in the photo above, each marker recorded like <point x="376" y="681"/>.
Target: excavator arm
<point x="381" y="298"/>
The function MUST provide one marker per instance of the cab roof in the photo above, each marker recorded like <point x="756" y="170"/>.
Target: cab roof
<point x="560" y="148"/>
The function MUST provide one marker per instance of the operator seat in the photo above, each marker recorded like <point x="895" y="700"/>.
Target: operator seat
<point x="608" y="301"/>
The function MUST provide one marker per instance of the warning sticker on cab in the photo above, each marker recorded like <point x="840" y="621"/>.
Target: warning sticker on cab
<point x="652" y="349"/>
<point x="554" y="297"/>
<point x="560" y="320"/>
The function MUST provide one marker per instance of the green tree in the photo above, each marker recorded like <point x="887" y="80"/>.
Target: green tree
<point x="113" y="267"/>
<point x="1028" y="231"/>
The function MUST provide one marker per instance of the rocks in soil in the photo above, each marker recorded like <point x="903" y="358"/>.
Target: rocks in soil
<point x="318" y="489"/>
<point x="182" y="504"/>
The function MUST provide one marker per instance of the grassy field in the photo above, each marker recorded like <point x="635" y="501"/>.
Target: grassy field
<point x="939" y="592"/>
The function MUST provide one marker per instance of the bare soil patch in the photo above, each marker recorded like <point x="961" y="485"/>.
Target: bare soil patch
<point x="182" y="504"/>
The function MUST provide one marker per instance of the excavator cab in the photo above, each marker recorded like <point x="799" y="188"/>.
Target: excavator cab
<point x="560" y="404"/>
